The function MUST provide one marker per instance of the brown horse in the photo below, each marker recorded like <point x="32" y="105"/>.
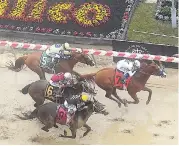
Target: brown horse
<point x="32" y="61"/>
<point x="105" y="79"/>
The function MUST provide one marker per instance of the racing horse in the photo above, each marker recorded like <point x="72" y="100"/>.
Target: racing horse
<point x="109" y="79"/>
<point x="35" y="60"/>
<point x="51" y="113"/>
<point x="42" y="89"/>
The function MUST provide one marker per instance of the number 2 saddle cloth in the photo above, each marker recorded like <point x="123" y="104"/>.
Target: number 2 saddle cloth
<point x="117" y="79"/>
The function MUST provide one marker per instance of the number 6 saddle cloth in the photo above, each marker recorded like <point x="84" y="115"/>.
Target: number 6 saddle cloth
<point x="51" y="91"/>
<point x="117" y="79"/>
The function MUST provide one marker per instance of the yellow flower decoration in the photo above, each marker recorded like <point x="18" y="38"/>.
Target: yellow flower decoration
<point x="59" y="12"/>
<point x="19" y="10"/>
<point x="3" y="7"/>
<point x="92" y="14"/>
<point x="37" y="11"/>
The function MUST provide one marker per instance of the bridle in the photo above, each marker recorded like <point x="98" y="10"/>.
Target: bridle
<point x="145" y="73"/>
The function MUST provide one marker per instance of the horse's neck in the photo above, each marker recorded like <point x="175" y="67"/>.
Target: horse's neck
<point x="141" y="77"/>
<point x="72" y="62"/>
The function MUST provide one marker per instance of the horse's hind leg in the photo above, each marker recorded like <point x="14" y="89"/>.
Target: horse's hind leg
<point x="87" y="131"/>
<point x="37" y="69"/>
<point x="39" y="101"/>
<point x="115" y="94"/>
<point x="150" y="94"/>
<point x="108" y="95"/>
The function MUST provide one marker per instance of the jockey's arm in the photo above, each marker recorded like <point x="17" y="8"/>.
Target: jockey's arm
<point x="67" y="52"/>
<point x="131" y="73"/>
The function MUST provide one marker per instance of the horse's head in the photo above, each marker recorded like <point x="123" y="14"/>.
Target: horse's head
<point x="83" y="58"/>
<point x="88" y="86"/>
<point x="95" y="106"/>
<point x="154" y="69"/>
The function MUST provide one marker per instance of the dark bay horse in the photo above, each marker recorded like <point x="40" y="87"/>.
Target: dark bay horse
<point x="32" y="61"/>
<point x="48" y="115"/>
<point x="105" y="79"/>
<point x="39" y="91"/>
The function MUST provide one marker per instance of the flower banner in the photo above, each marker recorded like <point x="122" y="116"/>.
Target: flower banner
<point x="87" y="18"/>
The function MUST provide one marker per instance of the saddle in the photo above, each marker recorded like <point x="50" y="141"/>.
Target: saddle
<point x="48" y="62"/>
<point x="61" y="115"/>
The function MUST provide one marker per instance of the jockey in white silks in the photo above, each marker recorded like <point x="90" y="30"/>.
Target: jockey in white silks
<point x="128" y="68"/>
<point x="57" y="50"/>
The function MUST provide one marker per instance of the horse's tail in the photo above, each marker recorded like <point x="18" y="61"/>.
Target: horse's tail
<point x="25" y="89"/>
<point x="88" y="76"/>
<point x="19" y="63"/>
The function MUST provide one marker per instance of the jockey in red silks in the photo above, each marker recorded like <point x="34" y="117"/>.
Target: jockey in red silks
<point x="61" y="80"/>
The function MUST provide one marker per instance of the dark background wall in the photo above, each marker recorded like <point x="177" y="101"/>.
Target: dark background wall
<point x="143" y="48"/>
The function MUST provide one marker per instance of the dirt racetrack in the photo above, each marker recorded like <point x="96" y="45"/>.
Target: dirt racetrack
<point x="156" y="123"/>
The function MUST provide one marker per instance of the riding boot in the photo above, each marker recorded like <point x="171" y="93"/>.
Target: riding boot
<point x="68" y="119"/>
<point x="59" y="92"/>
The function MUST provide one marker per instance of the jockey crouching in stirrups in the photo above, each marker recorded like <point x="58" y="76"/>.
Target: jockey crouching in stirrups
<point x="74" y="103"/>
<point x="128" y="68"/>
<point x="58" y="51"/>
<point x="61" y="80"/>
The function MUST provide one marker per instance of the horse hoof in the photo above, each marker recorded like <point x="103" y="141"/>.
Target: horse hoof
<point x="106" y="113"/>
<point x="125" y="102"/>
<point x="61" y="135"/>
<point x="119" y="105"/>
<point x="65" y="133"/>
<point x="20" y="91"/>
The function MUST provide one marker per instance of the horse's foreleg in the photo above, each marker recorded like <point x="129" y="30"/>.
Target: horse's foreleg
<point x="150" y="94"/>
<point x="134" y="96"/>
<point x="122" y="101"/>
<point x="39" y="99"/>
<point x="73" y="131"/>
<point x="108" y="95"/>
<point x="87" y="131"/>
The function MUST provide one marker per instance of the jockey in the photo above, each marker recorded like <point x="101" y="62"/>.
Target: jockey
<point x="73" y="104"/>
<point x="61" y="80"/>
<point x="56" y="51"/>
<point x="128" y="68"/>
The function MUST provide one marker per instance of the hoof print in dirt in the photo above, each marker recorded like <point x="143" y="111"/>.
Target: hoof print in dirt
<point x="126" y="131"/>
<point x="165" y="122"/>
<point x="155" y="135"/>
<point x="118" y="120"/>
<point x="2" y="117"/>
<point x="171" y="137"/>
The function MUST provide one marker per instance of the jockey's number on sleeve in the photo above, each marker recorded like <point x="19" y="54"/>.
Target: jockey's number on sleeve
<point x="49" y="91"/>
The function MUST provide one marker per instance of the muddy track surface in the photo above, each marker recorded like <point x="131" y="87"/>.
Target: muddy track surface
<point x="155" y="123"/>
